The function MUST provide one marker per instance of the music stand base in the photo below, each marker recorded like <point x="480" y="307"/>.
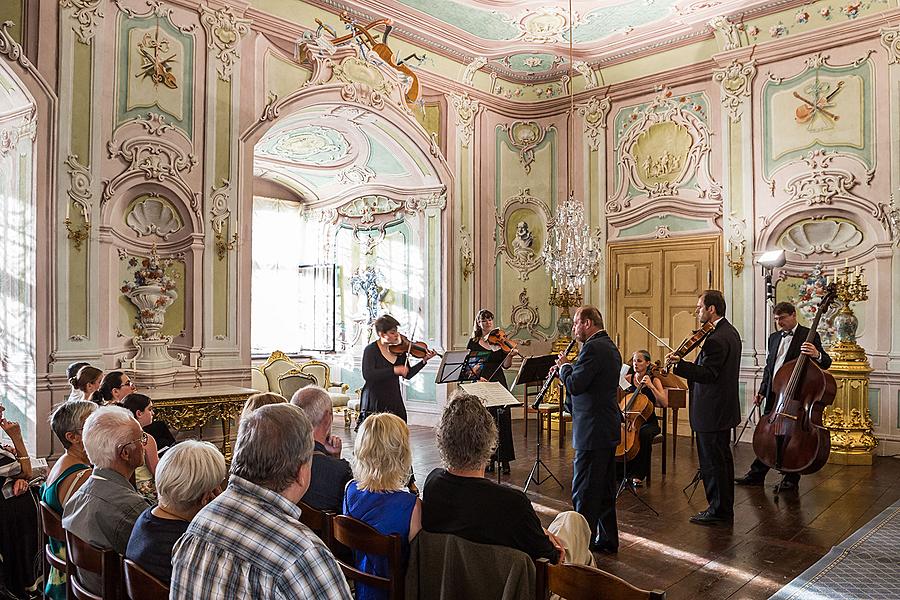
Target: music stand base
<point x="694" y="482"/>
<point x="534" y="475"/>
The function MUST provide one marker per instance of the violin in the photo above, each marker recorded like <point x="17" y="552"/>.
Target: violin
<point x="636" y="411"/>
<point x="405" y="346"/>
<point x="690" y="343"/>
<point x="497" y="337"/>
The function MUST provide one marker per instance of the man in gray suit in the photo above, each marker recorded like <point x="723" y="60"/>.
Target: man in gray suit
<point x="596" y="424"/>
<point x="715" y="407"/>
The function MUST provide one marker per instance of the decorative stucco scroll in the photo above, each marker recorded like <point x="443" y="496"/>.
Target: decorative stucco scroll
<point x="224" y="31"/>
<point x="467" y="110"/>
<point x="821" y="182"/>
<point x="87" y="14"/>
<point x="735" y="82"/>
<point x="156" y="9"/>
<point x="466" y="254"/>
<point x="525" y="316"/>
<point x="271" y="110"/>
<point x="10" y="48"/>
<point x="79" y="192"/>
<point x="526" y="136"/>
<point x="737" y="243"/>
<point x="594" y="113"/>
<point x="889" y="216"/>
<point x="590" y="76"/>
<point x="890" y="39"/>
<point x="828" y="235"/>
<point x="730" y="32"/>
<point x="436" y="199"/>
<point x="154" y="215"/>
<point x="519" y="226"/>
<point x="219" y="215"/>
<point x="468" y="75"/>
<point x="155" y="124"/>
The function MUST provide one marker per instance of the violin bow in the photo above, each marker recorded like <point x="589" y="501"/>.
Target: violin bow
<point x="755" y="408"/>
<point x="658" y="339"/>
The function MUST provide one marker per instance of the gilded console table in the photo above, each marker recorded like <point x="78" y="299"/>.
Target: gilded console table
<point x="192" y="408"/>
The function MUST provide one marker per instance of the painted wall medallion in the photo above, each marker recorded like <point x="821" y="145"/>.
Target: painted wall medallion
<point x="520" y="231"/>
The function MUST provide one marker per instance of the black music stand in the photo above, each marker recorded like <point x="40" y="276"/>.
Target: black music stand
<point x="627" y="484"/>
<point x="535" y="369"/>
<point x="451" y="369"/>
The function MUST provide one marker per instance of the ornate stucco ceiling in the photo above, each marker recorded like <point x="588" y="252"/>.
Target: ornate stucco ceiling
<point x="528" y="40"/>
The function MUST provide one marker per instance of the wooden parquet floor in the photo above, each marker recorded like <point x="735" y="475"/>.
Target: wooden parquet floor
<point x="769" y="544"/>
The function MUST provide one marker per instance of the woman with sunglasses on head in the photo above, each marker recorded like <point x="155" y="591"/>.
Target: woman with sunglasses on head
<point x="493" y="368"/>
<point x="114" y="386"/>
<point x="141" y="407"/>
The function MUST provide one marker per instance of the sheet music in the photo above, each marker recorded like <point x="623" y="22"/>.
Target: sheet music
<point x="623" y="383"/>
<point x="492" y="393"/>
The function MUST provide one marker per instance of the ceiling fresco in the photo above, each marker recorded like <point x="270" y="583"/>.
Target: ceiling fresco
<point x="337" y="153"/>
<point x="527" y="41"/>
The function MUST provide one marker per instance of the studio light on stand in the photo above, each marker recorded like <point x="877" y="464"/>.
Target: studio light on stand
<point x="769" y="261"/>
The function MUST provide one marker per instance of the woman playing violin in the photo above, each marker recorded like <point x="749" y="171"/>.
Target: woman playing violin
<point x="382" y="369"/>
<point x="493" y="370"/>
<point x="640" y="373"/>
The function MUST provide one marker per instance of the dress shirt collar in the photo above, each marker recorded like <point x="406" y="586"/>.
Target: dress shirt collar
<point x="789" y="332"/>
<point x="242" y="486"/>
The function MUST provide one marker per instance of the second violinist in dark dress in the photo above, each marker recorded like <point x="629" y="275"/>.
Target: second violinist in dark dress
<point x="639" y="466"/>
<point x="493" y="371"/>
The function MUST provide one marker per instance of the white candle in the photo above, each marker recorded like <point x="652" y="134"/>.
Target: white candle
<point x="846" y="263"/>
<point x="835" y="275"/>
<point x="858" y="270"/>
<point x="827" y="280"/>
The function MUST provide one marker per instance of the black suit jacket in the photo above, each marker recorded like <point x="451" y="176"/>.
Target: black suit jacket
<point x="715" y="404"/>
<point x="765" y="388"/>
<point x="591" y="383"/>
<point x="329" y="478"/>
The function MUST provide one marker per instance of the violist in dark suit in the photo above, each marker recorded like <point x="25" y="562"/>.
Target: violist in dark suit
<point x="715" y="406"/>
<point x="784" y="345"/>
<point x="596" y="425"/>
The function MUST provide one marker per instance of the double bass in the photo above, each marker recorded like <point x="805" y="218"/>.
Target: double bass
<point x="636" y="410"/>
<point x="791" y="438"/>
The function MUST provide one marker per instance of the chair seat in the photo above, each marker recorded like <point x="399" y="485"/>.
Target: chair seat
<point x="338" y="399"/>
<point x="547" y="406"/>
<point x="353" y="404"/>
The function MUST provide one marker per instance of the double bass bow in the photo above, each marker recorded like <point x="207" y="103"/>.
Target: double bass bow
<point x="636" y="410"/>
<point x="791" y="438"/>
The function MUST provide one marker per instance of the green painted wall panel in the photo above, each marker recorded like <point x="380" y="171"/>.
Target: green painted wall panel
<point x="81" y="102"/>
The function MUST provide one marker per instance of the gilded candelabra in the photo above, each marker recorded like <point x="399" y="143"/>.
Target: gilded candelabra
<point x="848" y="419"/>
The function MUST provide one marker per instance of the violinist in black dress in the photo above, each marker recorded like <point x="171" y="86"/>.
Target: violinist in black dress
<point x="493" y="371"/>
<point x="639" y="466"/>
<point x="382" y="370"/>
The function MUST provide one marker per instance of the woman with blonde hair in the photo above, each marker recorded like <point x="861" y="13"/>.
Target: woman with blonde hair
<point x="261" y="399"/>
<point x="376" y="495"/>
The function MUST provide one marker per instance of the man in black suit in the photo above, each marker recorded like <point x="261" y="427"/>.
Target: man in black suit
<point x="784" y="346"/>
<point x="714" y="407"/>
<point x="596" y="424"/>
<point x="330" y="472"/>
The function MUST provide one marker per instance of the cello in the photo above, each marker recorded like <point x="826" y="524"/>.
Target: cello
<point x="791" y="438"/>
<point x="636" y="411"/>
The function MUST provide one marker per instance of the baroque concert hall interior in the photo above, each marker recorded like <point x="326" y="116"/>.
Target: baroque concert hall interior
<point x="450" y="299"/>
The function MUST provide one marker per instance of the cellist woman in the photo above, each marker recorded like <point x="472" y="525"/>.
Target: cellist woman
<point x="639" y="375"/>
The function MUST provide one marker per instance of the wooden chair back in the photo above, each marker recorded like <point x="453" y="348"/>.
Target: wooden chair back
<point x="51" y="526"/>
<point x="580" y="582"/>
<point x="104" y="563"/>
<point x="141" y="585"/>
<point x="359" y="536"/>
<point x="320" y="521"/>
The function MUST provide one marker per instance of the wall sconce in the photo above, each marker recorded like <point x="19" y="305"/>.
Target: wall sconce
<point x="735" y="257"/>
<point x="223" y="246"/>
<point x="78" y="234"/>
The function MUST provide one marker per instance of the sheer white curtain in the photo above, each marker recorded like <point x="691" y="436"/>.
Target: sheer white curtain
<point x="278" y="250"/>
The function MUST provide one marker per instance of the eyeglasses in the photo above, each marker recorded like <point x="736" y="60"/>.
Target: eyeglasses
<point x="142" y="440"/>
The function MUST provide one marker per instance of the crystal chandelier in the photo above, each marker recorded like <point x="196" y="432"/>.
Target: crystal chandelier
<point x="570" y="255"/>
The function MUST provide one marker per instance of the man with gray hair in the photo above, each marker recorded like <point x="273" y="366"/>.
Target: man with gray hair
<point x="103" y="511"/>
<point x="330" y="472"/>
<point x="249" y="542"/>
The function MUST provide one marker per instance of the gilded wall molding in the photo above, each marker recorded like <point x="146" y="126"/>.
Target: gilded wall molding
<point x="467" y="110"/>
<point x="87" y="14"/>
<point x="890" y="39"/>
<point x="736" y="83"/>
<point x="594" y="112"/>
<point x="224" y="31"/>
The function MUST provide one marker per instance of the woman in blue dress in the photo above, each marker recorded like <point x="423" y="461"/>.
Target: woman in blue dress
<point x="376" y="494"/>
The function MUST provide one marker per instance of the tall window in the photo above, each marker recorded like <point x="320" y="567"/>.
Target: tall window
<point x="17" y="258"/>
<point x="293" y="289"/>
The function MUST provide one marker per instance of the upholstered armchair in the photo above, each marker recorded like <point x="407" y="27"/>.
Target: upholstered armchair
<point x="337" y="390"/>
<point x="258" y="381"/>
<point x="277" y="365"/>
<point x="292" y="381"/>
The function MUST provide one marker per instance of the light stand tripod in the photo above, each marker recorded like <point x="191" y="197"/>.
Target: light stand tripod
<point x="627" y="484"/>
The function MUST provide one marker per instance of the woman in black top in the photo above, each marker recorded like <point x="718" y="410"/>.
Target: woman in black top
<point x="639" y="466"/>
<point x="382" y="371"/>
<point x="493" y="371"/>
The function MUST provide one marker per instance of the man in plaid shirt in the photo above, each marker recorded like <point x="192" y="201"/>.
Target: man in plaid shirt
<point x="249" y="542"/>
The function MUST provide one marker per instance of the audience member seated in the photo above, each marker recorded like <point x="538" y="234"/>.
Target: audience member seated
<point x="72" y="371"/>
<point x="377" y="496"/>
<point x="114" y="386"/>
<point x="460" y="501"/>
<point x="249" y="542"/>
<point x="69" y="473"/>
<point x="261" y="399"/>
<point x="330" y="473"/>
<point x="188" y="478"/>
<point x="142" y="408"/>
<point x="19" y="528"/>
<point x="103" y="511"/>
<point x="85" y="382"/>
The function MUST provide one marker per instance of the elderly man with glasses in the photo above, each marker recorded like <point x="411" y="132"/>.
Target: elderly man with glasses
<point x="103" y="511"/>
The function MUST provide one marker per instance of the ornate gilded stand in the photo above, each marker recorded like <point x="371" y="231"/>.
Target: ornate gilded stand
<point x="852" y="440"/>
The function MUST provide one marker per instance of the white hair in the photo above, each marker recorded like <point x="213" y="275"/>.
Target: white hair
<point x="273" y="442"/>
<point x="188" y="471"/>
<point x="314" y="401"/>
<point x="105" y="431"/>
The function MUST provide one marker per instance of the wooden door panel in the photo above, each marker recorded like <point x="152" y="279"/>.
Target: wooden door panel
<point x="689" y="274"/>
<point x="638" y="287"/>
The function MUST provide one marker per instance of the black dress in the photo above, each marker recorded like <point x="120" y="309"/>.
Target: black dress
<point x="639" y="466"/>
<point x="505" y="450"/>
<point x="19" y="570"/>
<point x="381" y="392"/>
